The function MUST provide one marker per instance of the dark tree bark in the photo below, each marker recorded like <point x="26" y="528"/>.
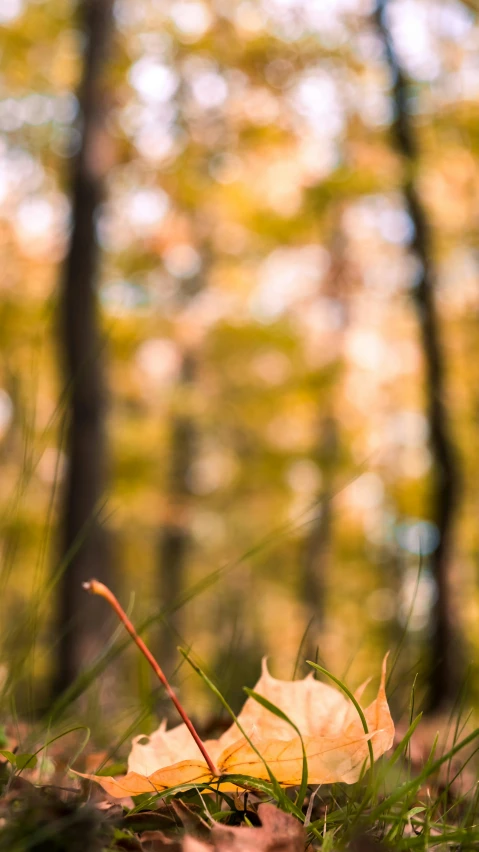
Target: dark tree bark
<point x="174" y="539"/>
<point x="444" y="669"/>
<point x="82" y="542"/>
<point x="317" y="547"/>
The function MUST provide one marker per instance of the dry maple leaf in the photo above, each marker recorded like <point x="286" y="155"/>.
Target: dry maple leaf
<point x="278" y="832"/>
<point x="335" y="743"/>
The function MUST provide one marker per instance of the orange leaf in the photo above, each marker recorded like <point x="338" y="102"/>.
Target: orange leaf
<point x="335" y="743"/>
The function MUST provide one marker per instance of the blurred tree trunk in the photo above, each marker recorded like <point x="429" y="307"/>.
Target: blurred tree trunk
<point x="174" y="536"/>
<point x="82" y="541"/>
<point x="317" y="547"/>
<point x="444" y="672"/>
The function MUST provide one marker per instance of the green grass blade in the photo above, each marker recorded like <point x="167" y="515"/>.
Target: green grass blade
<point x="279" y="794"/>
<point x="279" y="713"/>
<point x="429" y="769"/>
<point x="351" y="697"/>
<point x="405" y="741"/>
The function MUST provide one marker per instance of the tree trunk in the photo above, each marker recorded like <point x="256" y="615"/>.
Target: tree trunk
<point x="174" y="537"/>
<point x="82" y="542"/>
<point x="317" y="547"/>
<point x="444" y="670"/>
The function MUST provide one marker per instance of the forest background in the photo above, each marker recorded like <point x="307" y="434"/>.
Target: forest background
<point x="239" y="363"/>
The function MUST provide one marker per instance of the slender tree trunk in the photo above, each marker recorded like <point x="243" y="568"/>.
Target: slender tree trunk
<point x="444" y="669"/>
<point x="174" y="539"/>
<point x="317" y="548"/>
<point x="82" y="544"/>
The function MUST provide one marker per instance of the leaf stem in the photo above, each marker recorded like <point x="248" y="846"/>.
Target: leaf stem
<point x="97" y="588"/>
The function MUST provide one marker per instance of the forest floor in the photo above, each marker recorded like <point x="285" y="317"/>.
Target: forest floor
<point x="413" y="786"/>
<point x="422" y="795"/>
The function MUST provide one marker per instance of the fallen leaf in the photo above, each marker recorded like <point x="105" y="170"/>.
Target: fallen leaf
<point x="192" y="844"/>
<point x="278" y="832"/>
<point x="156" y="841"/>
<point x="335" y="743"/>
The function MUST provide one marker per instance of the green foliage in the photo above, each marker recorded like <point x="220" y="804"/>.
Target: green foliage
<point x="20" y="761"/>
